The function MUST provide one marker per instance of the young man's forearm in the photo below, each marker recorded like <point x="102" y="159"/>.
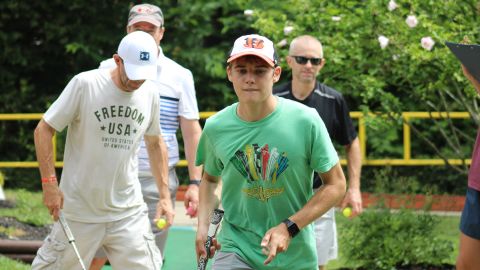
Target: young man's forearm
<point x="329" y="194"/>
<point x="208" y="200"/>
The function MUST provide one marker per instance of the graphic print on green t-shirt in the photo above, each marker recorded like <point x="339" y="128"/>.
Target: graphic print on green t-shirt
<point x="261" y="167"/>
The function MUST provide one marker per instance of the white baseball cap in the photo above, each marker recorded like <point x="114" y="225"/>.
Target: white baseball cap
<point x="254" y="45"/>
<point x="139" y="53"/>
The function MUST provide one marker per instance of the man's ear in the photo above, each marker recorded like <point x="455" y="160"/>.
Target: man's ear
<point x="322" y="64"/>
<point x="229" y="71"/>
<point x="162" y="32"/>
<point x="277" y="71"/>
<point x="117" y="59"/>
<point x="289" y="60"/>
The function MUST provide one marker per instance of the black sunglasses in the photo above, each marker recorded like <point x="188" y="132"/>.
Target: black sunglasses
<point x="303" y="60"/>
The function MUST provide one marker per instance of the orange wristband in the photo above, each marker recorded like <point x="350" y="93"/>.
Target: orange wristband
<point x="51" y="179"/>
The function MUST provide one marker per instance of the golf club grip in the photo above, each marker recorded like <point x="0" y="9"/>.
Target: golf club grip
<point x="202" y="263"/>
<point x="212" y="231"/>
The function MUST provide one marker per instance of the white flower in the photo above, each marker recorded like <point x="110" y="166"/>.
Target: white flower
<point x="282" y="43"/>
<point x="248" y="12"/>
<point x="383" y="40"/>
<point x="392" y="5"/>
<point x="336" y="18"/>
<point x="411" y="21"/>
<point x="395" y="57"/>
<point x="427" y="43"/>
<point x="287" y="30"/>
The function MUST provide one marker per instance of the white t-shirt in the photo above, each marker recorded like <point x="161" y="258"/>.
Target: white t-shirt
<point x="177" y="98"/>
<point x="105" y="127"/>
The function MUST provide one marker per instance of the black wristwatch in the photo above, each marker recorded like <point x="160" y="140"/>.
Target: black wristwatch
<point x="291" y="227"/>
<point x="195" y="182"/>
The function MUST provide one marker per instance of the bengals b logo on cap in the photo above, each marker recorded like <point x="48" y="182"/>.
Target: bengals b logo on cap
<point x="254" y="45"/>
<point x="253" y="42"/>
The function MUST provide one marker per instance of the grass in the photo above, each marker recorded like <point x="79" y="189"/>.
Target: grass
<point x="448" y="229"/>
<point x="7" y="264"/>
<point x="29" y="208"/>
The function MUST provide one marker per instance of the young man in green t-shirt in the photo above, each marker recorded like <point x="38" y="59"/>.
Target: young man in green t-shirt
<point x="265" y="149"/>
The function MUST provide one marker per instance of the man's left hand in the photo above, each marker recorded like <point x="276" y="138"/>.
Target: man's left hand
<point x="275" y="241"/>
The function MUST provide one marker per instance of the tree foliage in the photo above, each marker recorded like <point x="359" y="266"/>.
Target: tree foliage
<point x="402" y="76"/>
<point x="45" y="43"/>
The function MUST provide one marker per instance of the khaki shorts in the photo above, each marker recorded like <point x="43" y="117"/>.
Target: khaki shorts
<point x="128" y="243"/>
<point x="151" y="198"/>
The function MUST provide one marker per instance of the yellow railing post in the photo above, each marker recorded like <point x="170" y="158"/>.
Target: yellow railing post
<point x="363" y="137"/>
<point x="406" y="138"/>
<point x="362" y="133"/>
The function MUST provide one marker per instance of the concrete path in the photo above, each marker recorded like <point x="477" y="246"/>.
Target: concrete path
<point x="181" y="218"/>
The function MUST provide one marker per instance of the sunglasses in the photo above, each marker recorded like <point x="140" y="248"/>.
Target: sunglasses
<point x="303" y="60"/>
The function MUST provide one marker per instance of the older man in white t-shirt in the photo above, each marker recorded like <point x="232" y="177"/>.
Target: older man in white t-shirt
<point x="107" y="113"/>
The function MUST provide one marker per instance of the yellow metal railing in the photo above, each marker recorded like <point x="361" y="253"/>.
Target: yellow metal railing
<point x="407" y="160"/>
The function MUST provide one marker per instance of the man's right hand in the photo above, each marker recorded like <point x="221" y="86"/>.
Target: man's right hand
<point x="52" y="198"/>
<point x="200" y="249"/>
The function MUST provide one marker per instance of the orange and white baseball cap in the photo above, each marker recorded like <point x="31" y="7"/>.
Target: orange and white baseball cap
<point x="254" y="45"/>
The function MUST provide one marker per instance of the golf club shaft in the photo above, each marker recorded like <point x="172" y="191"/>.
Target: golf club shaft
<point x="70" y="238"/>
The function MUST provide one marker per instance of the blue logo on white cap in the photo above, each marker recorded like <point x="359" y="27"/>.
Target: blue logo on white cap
<point x="144" y="56"/>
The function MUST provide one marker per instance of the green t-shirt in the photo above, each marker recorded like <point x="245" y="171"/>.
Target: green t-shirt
<point x="266" y="168"/>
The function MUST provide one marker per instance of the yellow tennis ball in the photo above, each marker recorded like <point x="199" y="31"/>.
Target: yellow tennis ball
<point x="161" y="223"/>
<point x="347" y="212"/>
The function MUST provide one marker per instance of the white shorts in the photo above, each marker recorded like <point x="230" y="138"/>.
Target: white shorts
<point x="128" y="243"/>
<point x="326" y="237"/>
